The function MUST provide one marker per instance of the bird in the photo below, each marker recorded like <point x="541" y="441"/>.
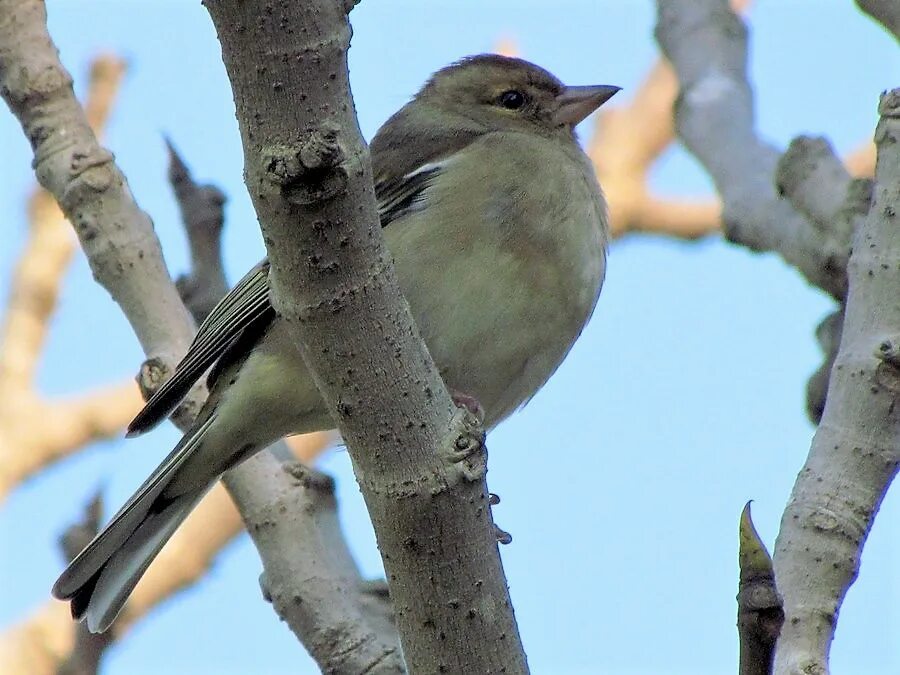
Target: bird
<point x="498" y="231"/>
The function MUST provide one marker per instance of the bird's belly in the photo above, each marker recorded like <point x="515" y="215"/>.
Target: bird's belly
<point x="497" y="321"/>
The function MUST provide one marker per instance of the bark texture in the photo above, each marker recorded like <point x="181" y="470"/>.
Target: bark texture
<point x="120" y="244"/>
<point x="114" y="232"/>
<point x="855" y="453"/>
<point x="419" y="461"/>
<point x="854" y="456"/>
<point x="707" y="43"/>
<point x="310" y="577"/>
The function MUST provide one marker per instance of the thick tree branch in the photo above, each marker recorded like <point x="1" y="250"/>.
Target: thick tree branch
<point x="43" y="640"/>
<point x="885" y="12"/>
<point x="313" y="587"/>
<point x="117" y="237"/>
<point x="854" y="455"/>
<point x="309" y="176"/>
<point x="707" y="43"/>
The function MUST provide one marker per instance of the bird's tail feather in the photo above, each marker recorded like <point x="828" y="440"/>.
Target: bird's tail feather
<point x="101" y="600"/>
<point x="100" y="578"/>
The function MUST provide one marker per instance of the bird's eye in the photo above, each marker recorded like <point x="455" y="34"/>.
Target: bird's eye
<point x="512" y="99"/>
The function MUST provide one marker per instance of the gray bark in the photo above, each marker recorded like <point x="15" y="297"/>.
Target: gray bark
<point x="854" y="456"/>
<point x="856" y="451"/>
<point x="419" y="461"/>
<point x="126" y="259"/>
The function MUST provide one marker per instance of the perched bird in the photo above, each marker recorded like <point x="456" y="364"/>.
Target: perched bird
<point x="498" y="231"/>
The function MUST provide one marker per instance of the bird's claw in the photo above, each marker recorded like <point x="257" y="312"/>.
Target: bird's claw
<point x="469" y="403"/>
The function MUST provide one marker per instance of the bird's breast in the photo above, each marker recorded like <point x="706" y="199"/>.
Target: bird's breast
<point x="502" y="270"/>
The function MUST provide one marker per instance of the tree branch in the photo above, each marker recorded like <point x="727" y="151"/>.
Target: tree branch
<point x="760" y="612"/>
<point x="117" y="237"/>
<point x="885" y="12"/>
<point x="707" y="44"/>
<point x="203" y="213"/>
<point x="69" y="163"/>
<point x="854" y="455"/>
<point x="312" y="585"/>
<point x="305" y="162"/>
<point x="27" y="445"/>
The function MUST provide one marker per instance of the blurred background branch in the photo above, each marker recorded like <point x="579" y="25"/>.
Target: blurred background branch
<point x="27" y="443"/>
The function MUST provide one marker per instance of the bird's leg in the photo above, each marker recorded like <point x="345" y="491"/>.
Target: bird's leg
<point x="471" y="404"/>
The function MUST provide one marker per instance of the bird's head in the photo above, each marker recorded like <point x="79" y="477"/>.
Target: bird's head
<point x="502" y="93"/>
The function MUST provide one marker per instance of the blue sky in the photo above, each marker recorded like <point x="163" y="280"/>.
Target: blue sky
<point x="623" y="480"/>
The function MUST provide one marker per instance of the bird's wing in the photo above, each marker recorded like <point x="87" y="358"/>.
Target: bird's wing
<point x="244" y="310"/>
<point x="242" y="317"/>
<point x="400" y="196"/>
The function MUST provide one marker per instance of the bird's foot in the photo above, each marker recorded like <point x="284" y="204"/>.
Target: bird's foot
<point x="468" y="402"/>
<point x="472" y="441"/>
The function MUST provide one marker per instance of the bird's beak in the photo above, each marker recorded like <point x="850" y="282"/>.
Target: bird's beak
<point x="576" y="103"/>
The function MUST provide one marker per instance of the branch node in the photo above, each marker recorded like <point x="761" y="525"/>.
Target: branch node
<point x="90" y="173"/>
<point x="889" y="106"/>
<point x="887" y="374"/>
<point x="310" y="172"/>
<point x="319" y="150"/>
<point x="889" y="351"/>
<point x="153" y="373"/>
<point x="309" y="478"/>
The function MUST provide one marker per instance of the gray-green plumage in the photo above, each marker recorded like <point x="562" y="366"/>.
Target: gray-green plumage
<point x="498" y="231"/>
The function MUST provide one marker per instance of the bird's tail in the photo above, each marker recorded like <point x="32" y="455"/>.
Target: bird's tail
<point x="100" y="578"/>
